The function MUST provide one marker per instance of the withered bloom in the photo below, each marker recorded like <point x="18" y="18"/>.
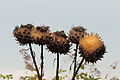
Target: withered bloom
<point x="58" y="43"/>
<point x="40" y="35"/>
<point x="22" y="34"/>
<point x="92" y="48"/>
<point x="76" y="33"/>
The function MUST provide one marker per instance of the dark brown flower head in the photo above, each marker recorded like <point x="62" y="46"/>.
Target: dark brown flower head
<point x="43" y="28"/>
<point x="40" y="35"/>
<point x="22" y="34"/>
<point x="92" y="48"/>
<point x="58" y="43"/>
<point x="60" y="34"/>
<point x="76" y="33"/>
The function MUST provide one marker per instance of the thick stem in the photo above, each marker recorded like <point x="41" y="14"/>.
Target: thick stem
<point x="34" y="61"/>
<point x="73" y="78"/>
<point x="75" y="59"/>
<point x="41" y="62"/>
<point x="57" y="76"/>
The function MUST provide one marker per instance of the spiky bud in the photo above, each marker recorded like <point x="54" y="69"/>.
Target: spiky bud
<point x="92" y="48"/>
<point x="22" y="34"/>
<point x="40" y="35"/>
<point x="58" y="43"/>
<point x="76" y="33"/>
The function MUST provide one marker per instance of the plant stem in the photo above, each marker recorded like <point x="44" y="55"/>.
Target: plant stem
<point x="73" y="78"/>
<point x="57" y="76"/>
<point x="41" y="61"/>
<point x="34" y="61"/>
<point x="75" y="59"/>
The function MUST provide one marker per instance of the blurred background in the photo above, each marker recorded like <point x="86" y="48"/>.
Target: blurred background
<point x="97" y="16"/>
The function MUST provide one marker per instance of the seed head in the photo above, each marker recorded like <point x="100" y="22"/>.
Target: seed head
<point x="58" y="43"/>
<point x="22" y="34"/>
<point x="40" y="35"/>
<point x="92" y="48"/>
<point x="76" y="33"/>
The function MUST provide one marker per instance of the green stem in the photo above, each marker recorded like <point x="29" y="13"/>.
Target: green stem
<point x="34" y="61"/>
<point x="73" y="78"/>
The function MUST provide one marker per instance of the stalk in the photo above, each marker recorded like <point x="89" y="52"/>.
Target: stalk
<point x="75" y="59"/>
<point x="73" y="78"/>
<point x="57" y="76"/>
<point x="41" y="62"/>
<point x="34" y="61"/>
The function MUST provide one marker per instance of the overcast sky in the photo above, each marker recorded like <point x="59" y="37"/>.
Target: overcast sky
<point x="98" y="16"/>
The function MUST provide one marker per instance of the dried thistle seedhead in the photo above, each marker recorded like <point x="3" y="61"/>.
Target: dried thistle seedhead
<point x="58" y="43"/>
<point x="92" y="48"/>
<point x="43" y="28"/>
<point x="22" y="34"/>
<point x="40" y="35"/>
<point x="76" y="33"/>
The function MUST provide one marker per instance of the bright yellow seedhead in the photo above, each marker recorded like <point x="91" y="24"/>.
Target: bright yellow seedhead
<point x="91" y="47"/>
<point x="58" y="43"/>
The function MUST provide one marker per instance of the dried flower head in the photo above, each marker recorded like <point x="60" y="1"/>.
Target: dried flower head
<point x="58" y="43"/>
<point x="40" y="35"/>
<point x="92" y="48"/>
<point x="22" y="34"/>
<point x="76" y="33"/>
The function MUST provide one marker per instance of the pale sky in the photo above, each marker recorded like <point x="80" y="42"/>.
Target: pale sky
<point x="98" y="16"/>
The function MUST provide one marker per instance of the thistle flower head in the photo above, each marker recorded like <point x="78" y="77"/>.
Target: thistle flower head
<point x="40" y="35"/>
<point x="76" y="33"/>
<point x="92" y="48"/>
<point x="58" y="43"/>
<point x="22" y="34"/>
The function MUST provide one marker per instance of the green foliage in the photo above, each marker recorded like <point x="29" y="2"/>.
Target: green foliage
<point x="28" y="78"/>
<point x="85" y="76"/>
<point x="34" y="77"/>
<point x="61" y="71"/>
<point x="83" y="65"/>
<point x="6" y="77"/>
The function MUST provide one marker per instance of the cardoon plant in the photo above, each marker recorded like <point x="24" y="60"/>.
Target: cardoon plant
<point x="91" y="48"/>
<point x="40" y="36"/>
<point x="23" y="36"/>
<point x="58" y="44"/>
<point x="75" y="34"/>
